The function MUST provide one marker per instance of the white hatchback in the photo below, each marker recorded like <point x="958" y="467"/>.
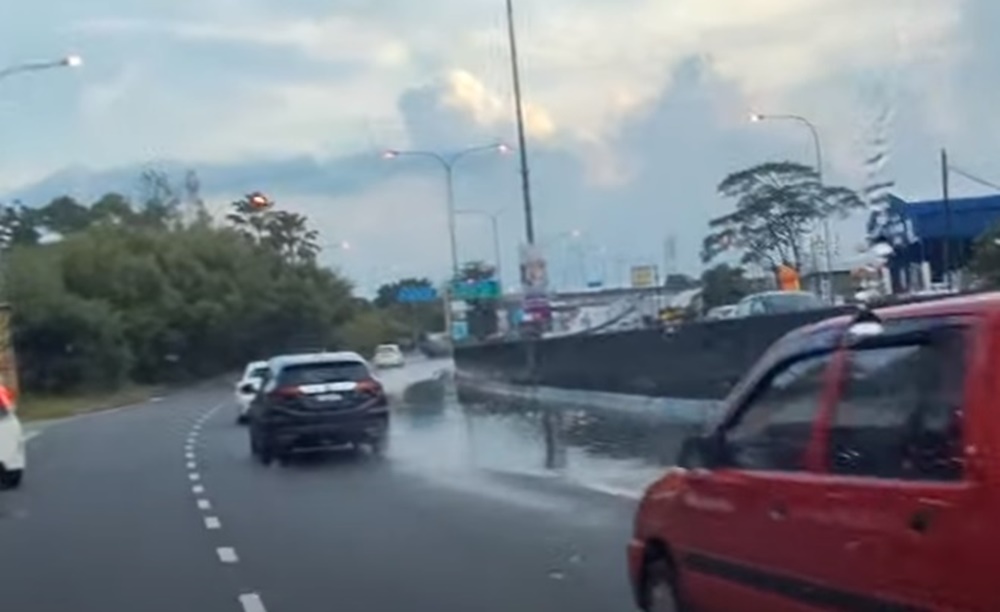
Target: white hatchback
<point x="12" y="457"/>
<point x="246" y="388"/>
<point x="388" y="356"/>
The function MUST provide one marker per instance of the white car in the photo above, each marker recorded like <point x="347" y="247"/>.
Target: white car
<point x="12" y="459"/>
<point x="388" y="356"/>
<point x="247" y="388"/>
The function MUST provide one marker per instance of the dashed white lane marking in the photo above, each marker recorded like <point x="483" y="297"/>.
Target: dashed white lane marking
<point x="189" y="455"/>
<point x="212" y="522"/>
<point x="251" y="602"/>
<point x="198" y="489"/>
<point x="204" y="504"/>
<point x="191" y="465"/>
<point x="194" y="476"/>
<point x="227" y="554"/>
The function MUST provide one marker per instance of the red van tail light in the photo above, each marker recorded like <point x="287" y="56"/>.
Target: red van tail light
<point x="287" y="392"/>
<point x="370" y="387"/>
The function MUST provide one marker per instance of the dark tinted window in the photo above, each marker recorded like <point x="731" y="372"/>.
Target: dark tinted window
<point x="323" y="372"/>
<point x="773" y="431"/>
<point x="900" y="412"/>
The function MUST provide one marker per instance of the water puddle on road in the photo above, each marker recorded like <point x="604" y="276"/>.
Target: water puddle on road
<point x="612" y="452"/>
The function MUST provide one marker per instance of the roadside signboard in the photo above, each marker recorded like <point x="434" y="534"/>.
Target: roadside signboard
<point x="643" y="276"/>
<point x="417" y="294"/>
<point x="487" y="289"/>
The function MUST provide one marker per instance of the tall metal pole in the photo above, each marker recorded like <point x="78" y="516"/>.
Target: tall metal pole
<point x="496" y="247"/>
<point x="529" y="223"/>
<point x="452" y="237"/>
<point x="946" y="199"/>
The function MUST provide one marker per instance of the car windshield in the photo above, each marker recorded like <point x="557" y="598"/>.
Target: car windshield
<point x="387" y="350"/>
<point x="260" y="372"/>
<point x="323" y="372"/>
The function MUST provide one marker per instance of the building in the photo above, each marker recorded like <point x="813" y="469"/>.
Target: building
<point x="938" y="233"/>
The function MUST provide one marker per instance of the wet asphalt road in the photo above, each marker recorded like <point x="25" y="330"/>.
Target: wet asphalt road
<point x="160" y="508"/>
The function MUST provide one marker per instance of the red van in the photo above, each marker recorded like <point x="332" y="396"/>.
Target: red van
<point x="856" y="467"/>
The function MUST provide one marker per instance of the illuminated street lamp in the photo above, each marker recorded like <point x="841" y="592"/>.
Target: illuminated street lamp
<point x="70" y="61"/>
<point x="448" y="163"/>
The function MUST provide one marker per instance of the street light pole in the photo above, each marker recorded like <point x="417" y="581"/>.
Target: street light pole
<point x="71" y="61"/>
<point x="522" y="145"/>
<point x="448" y="164"/>
<point x="818" y="148"/>
<point x="494" y="222"/>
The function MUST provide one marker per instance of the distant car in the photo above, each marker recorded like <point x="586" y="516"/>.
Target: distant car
<point x="12" y="457"/>
<point x="389" y="356"/>
<point x="721" y="312"/>
<point x="318" y="401"/>
<point x="777" y="302"/>
<point x="246" y="388"/>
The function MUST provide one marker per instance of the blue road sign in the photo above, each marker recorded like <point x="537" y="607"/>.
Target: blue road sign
<point x="417" y="294"/>
<point x="488" y="289"/>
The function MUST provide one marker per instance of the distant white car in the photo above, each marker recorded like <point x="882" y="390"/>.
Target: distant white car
<point x="388" y="356"/>
<point x="12" y="457"/>
<point x="247" y="388"/>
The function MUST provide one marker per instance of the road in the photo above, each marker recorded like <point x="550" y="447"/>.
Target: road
<point x="159" y="507"/>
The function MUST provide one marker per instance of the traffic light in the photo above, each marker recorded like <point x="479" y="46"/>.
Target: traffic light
<point x="258" y="201"/>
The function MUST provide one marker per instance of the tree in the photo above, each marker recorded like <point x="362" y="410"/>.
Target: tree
<point x="482" y="313"/>
<point x="776" y="202"/>
<point x="420" y="318"/>
<point x="64" y="215"/>
<point x="160" y="206"/>
<point x="985" y="262"/>
<point x="126" y="298"/>
<point x="723" y="284"/>
<point x="679" y="282"/>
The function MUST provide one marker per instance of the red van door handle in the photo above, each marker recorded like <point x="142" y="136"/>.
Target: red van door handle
<point x="920" y="521"/>
<point x="778" y="511"/>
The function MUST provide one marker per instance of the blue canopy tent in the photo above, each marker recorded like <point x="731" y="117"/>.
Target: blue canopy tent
<point x="919" y="231"/>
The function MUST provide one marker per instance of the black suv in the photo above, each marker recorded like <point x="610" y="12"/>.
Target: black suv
<point x="317" y="401"/>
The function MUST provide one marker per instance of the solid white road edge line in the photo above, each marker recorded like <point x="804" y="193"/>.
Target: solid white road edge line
<point x="227" y="554"/>
<point x="251" y="602"/>
<point x="212" y="522"/>
<point x="28" y="436"/>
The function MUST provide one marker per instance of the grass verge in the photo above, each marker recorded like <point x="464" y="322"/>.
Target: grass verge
<point x="33" y="407"/>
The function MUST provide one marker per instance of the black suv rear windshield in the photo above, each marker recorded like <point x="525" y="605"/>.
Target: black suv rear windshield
<point x="323" y="372"/>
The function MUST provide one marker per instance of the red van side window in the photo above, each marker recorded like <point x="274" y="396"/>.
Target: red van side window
<point x="900" y="410"/>
<point x="773" y="431"/>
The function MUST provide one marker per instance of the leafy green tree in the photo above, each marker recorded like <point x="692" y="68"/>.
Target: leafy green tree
<point x="152" y="297"/>
<point x="985" y="262"/>
<point x="64" y="215"/>
<point x="723" y="284"/>
<point x="776" y="203"/>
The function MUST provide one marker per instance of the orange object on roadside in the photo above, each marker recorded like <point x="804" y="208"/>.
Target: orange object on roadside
<point x="788" y="278"/>
<point x="6" y="399"/>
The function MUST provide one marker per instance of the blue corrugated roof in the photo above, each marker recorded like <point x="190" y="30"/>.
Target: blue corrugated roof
<point x="970" y="217"/>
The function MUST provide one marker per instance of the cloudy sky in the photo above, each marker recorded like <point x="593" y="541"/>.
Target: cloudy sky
<point x="635" y="110"/>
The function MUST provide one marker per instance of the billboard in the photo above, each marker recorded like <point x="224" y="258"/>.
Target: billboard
<point x="643" y="276"/>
